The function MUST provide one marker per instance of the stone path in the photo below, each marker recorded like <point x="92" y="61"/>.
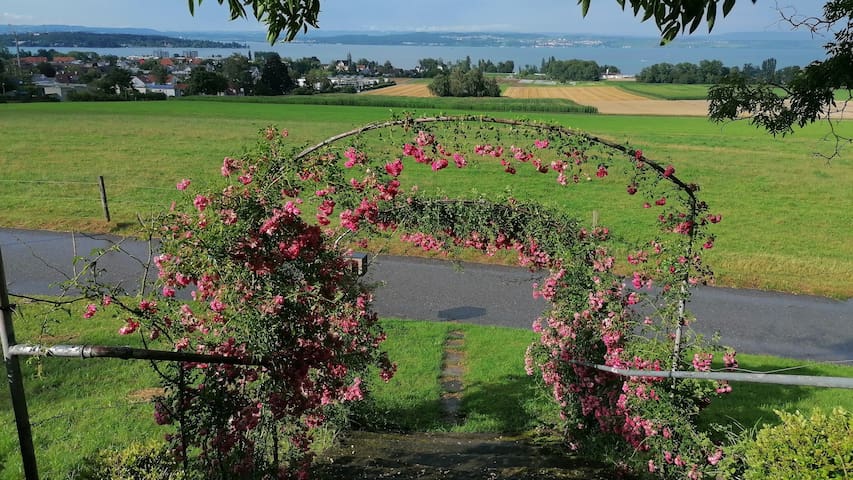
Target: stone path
<point x="452" y="372"/>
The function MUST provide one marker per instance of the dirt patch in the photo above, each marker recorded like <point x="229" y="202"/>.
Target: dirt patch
<point x="145" y="395"/>
<point x="452" y="456"/>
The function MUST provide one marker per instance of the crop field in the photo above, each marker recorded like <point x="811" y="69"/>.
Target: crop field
<point x="404" y="90"/>
<point x="665" y="91"/>
<point x="580" y="94"/>
<point x="613" y="100"/>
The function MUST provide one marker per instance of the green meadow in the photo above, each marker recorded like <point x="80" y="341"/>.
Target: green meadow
<point x="787" y="212"/>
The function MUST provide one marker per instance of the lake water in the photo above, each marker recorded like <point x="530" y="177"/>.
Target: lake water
<point x="630" y="60"/>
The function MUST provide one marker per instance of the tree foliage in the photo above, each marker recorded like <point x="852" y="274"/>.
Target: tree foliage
<point x="275" y="78"/>
<point x="809" y="94"/>
<point x="203" y="82"/>
<point x="464" y="83"/>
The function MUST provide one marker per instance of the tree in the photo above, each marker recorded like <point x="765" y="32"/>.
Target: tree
<point x="237" y="70"/>
<point x="275" y="78"/>
<point x="114" y="82"/>
<point x="46" y="69"/>
<point x="160" y="73"/>
<point x="203" y="82"/>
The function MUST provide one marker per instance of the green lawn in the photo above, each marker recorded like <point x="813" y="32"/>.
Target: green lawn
<point x="80" y="406"/>
<point x="786" y="214"/>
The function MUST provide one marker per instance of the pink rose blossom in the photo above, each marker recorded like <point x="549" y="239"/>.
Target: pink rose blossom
<point x="91" y="309"/>
<point x="201" y="202"/>
<point x="183" y="184"/>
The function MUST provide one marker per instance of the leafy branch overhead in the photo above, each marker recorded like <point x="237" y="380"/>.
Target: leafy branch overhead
<point x="287" y="17"/>
<point x="674" y="16"/>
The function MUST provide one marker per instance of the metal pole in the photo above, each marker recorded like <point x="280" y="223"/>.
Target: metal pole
<point x="104" y="197"/>
<point x="16" y="384"/>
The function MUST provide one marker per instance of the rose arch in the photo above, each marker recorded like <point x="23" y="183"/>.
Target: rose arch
<point x="265" y="260"/>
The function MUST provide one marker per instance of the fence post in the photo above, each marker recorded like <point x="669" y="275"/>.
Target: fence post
<point x="104" y="197"/>
<point x="16" y="383"/>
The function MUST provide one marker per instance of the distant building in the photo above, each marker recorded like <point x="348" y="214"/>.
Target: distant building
<point x="61" y="90"/>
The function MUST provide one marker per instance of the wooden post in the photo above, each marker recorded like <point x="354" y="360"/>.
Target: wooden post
<point x="104" y="198"/>
<point x="16" y="383"/>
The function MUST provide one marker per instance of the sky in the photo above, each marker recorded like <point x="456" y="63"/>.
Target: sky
<point x="551" y="16"/>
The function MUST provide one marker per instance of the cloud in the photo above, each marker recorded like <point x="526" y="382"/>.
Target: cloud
<point x="7" y="17"/>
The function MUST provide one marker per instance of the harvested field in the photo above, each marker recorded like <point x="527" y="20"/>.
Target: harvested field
<point x="612" y="100"/>
<point x="681" y="108"/>
<point x="582" y="95"/>
<point x="404" y="90"/>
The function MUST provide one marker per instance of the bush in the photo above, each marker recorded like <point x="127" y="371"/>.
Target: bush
<point x="148" y="461"/>
<point x="816" y="447"/>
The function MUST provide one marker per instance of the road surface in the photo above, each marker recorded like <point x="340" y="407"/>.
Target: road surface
<point x="752" y="321"/>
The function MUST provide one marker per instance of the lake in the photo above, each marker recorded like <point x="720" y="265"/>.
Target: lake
<point x="629" y="58"/>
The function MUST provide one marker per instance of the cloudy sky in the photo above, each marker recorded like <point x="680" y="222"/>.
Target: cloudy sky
<point x="556" y="16"/>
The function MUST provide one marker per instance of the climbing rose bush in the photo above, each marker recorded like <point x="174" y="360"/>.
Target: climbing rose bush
<point x="612" y="304"/>
<point x="242" y="275"/>
<point x="272" y="286"/>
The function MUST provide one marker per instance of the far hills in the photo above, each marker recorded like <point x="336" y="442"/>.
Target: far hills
<point x="75" y="36"/>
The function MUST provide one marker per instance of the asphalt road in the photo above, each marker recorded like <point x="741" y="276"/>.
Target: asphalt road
<point x="796" y="326"/>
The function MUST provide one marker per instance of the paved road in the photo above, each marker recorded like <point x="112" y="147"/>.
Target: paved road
<point x="751" y="321"/>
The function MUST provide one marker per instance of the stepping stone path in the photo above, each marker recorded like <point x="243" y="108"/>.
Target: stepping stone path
<point x="451" y="455"/>
<point x="452" y="371"/>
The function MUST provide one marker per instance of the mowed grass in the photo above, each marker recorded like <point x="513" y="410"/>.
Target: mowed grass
<point x="664" y="91"/>
<point x="786" y="213"/>
<point x="80" y="406"/>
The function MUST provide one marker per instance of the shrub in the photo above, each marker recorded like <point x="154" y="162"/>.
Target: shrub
<point x="815" y="447"/>
<point x="139" y="461"/>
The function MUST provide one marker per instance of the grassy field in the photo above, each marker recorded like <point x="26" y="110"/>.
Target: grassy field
<point x="663" y="91"/>
<point x="104" y="403"/>
<point x="786" y="214"/>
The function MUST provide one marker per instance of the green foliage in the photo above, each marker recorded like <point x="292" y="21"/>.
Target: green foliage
<point x="138" y="461"/>
<point x="203" y="82"/>
<point x="707" y="71"/>
<point x="571" y="70"/>
<point x="674" y="16"/>
<point x="809" y="93"/>
<point x="819" y="446"/>
<point x="275" y="79"/>
<point x="464" y="83"/>
<point x="286" y="17"/>
<point x="116" y="81"/>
